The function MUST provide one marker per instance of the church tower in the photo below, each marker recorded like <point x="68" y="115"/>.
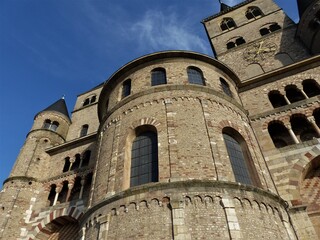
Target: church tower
<point x="254" y="37"/>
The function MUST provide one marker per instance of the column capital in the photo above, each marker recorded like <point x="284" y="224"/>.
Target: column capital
<point x="311" y="119"/>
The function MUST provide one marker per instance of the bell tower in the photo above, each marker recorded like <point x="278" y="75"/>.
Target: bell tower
<point x="254" y="37"/>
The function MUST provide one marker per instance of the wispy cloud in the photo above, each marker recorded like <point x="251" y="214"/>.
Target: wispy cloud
<point x="159" y="31"/>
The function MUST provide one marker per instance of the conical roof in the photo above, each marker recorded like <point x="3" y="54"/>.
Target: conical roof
<point x="224" y="7"/>
<point x="58" y="106"/>
<point x="303" y="5"/>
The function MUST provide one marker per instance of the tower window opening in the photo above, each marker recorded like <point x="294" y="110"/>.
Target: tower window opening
<point x="52" y="194"/>
<point x="195" y="76"/>
<point x="66" y="166"/>
<point x="89" y="100"/>
<point x="144" y="159"/>
<point x="225" y="87"/>
<point x="316" y="115"/>
<point x="294" y="94"/>
<point x="253" y="13"/>
<point x="302" y="128"/>
<point x="227" y="24"/>
<point x="158" y="77"/>
<point x="86" y="158"/>
<point x="311" y="87"/>
<point x="234" y="43"/>
<point x="277" y="99"/>
<point x="93" y="99"/>
<point x="126" y="88"/>
<point x="269" y="29"/>
<point x="84" y="130"/>
<point x="48" y="124"/>
<point x="76" y="163"/>
<point x="279" y="134"/>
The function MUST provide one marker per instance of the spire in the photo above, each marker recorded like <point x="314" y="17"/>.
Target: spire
<point x="59" y="106"/>
<point x="223" y="6"/>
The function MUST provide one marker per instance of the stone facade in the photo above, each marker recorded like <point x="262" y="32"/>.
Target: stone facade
<point x="237" y="155"/>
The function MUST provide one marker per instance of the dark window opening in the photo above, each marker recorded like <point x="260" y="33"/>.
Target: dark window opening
<point x="126" y="88"/>
<point x="64" y="192"/>
<point x="50" y="125"/>
<point x="277" y="99"/>
<point x="75" y="192"/>
<point x="52" y="194"/>
<point x="227" y="24"/>
<point x="311" y="87"/>
<point x="294" y="94"/>
<point x="225" y="87"/>
<point x="253" y="12"/>
<point x="86" y="102"/>
<point x="93" y="99"/>
<point x="66" y="166"/>
<point x="264" y="31"/>
<point x="230" y="45"/>
<point x="84" y="130"/>
<point x="302" y="128"/>
<point x="271" y="28"/>
<point x="86" y="158"/>
<point x="47" y="124"/>
<point x="195" y="76"/>
<point x="76" y="162"/>
<point x="316" y="115"/>
<point x="279" y="135"/>
<point x="144" y="159"/>
<point x="240" y="41"/>
<point x="158" y="77"/>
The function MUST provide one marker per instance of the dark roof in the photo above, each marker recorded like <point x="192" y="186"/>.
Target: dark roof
<point x="59" y="106"/>
<point x="224" y="7"/>
<point x="303" y="5"/>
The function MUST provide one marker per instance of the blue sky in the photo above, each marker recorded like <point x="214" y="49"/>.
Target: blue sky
<point x="51" y="48"/>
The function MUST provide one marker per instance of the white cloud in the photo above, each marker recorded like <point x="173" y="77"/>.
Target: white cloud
<point x="163" y="32"/>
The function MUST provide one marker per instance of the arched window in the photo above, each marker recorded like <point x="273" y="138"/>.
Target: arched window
<point x="52" y="194"/>
<point x="195" y="76"/>
<point x="253" y="13"/>
<point x="66" y="166"/>
<point x="50" y="125"/>
<point x="93" y="99"/>
<point x="316" y="115"/>
<point x="269" y="29"/>
<point x="47" y="124"/>
<point x="277" y="99"/>
<point x="302" y="128"/>
<point x="236" y="42"/>
<point x="86" y="102"/>
<point x="76" y="163"/>
<point x="86" y="158"/>
<point x="158" y="77"/>
<point x="238" y="152"/>
<point x="311" y="87"/>
<point x="279" y="134"/>
<point x="64" y="192"/>
<point x="225" y="87"/>
<point x="126" y="88"/>
<point x="293" y="93"/>
<point x="227" y="24"/>
<point x="75" y="193"/>
<point x="84" y="130"/>
<point x="144" y="159"/>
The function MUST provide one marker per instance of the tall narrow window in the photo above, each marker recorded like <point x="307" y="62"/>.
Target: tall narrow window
<point x="195" y="76"/>
<point x="294" y="94"/>
<point x="144" y="159"/>
<point x="86" y="102"/>
<point x="158" y="77"/>
<point x="277" y="99"/>
<point x="86" y="158"/>
<point x="225" y="87"/>
<point x="126" y="88"/>
<point x="253" y="12"/>
<point x="311" y="87"/>
<point x="66" y="164"/>
<point x="239" y="158"/>
<point x="84" y="130"/>
<point x="93" y="99"/>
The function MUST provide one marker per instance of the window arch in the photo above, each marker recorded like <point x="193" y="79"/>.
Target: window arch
<point x="84" y="130"/>
<point x="302" y="127"/>
<point x="52" y="194"/>
<point x="158" y="77"/>
<point x="225" y="87"/>
<point x="269" y="29"/>
<point x="227" y="24"/>
<point x="236" y="42"/>
<point x="311" y="87"/>
<point x="126" y="88"/>
<point x="253" y="13"/>
<point x="239" y="156"/>
<point x="279" y="134"/>
<point x="195" y="76"/>
<point x="89" y="100"/>
<point x="86" y="158"/>
<point x="276" y="99"/>
<point x="48" y="124"/>
<point x="293" y="93"/>
<point x="66" y="166"/>
<point x="144" y="158"/>
<point x="75" y="165"/>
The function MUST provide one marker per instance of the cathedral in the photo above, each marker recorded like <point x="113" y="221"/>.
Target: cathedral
<point x="181" y="145"/>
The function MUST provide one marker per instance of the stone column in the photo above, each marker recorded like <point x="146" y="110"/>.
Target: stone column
<point x="70" y="187"/>
<point x="294" y="137"/>
<point x="232" y="219"/>
<point x="83" y="233"/>
<point x="81" y="189"/>
<point x="180" y="231"/>
<point x="58" y="190"/>
<point x="72" y="160"/>
<point x="287" y="100"/>
<point x="312" y="120"/>
<point x="304" y="94"/>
